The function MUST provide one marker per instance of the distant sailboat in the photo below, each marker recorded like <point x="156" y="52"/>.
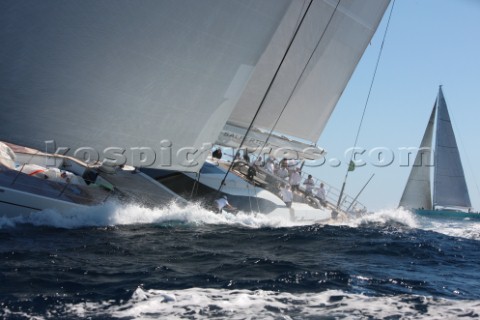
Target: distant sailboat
<point x="450" y="192"/>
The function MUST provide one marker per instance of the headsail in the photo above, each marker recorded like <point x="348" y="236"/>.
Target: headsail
<point x="321" y="60"/>
<point x="148" y="82"/>
<point x="417" y="192"/>
<point x="450" y="187"/>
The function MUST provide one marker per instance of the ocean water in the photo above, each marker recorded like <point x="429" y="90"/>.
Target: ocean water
<point x="115" y="262"/>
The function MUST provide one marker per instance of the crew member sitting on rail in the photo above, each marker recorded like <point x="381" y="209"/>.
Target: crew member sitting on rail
<point x="309" y="184"/>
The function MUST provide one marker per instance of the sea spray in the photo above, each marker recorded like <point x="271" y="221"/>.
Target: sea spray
<point x="113" y="214"/>
<point x="386" y="217"/>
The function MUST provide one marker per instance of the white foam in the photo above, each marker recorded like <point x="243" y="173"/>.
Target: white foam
<point x="202" y="303"/>
<point x="114" y="214"/>
<point x="468" y="229"/>
<point x="385" y="217"/>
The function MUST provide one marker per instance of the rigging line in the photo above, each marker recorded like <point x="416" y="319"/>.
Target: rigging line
<point x="195" y="186"/>
<point x="374" y="75"/>
<point x="249" y="198"/>
<point x="267" y="91"/>
<point x="301" y="74"/>
<point x="368" y="97"/>
<point x="299" y="20"/>
<point x="256" y="198"/>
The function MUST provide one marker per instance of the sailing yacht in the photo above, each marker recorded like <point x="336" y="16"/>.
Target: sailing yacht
<point x="449" y="197"/>
<point x="115" y="84"/>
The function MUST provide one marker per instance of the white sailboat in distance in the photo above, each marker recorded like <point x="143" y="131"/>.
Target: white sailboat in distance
<point x="449" y="196"/>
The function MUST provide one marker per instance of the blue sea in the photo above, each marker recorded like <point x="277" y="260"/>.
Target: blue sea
<point x="129" y="262"/>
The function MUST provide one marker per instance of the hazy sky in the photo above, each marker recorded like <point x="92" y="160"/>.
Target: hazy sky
<point x="428" y="43"/>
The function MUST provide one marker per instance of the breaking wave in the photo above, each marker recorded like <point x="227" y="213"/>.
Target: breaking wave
<point x="114" y="214"/>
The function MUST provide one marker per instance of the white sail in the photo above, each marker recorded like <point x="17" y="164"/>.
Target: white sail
<point x="417" y="192"/>
<point x="450" y="189"/>
<point x="147" y="82"/>
<point x="321" y="60"/>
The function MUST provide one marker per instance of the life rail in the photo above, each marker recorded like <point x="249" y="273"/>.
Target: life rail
<point x="272" y="182"/>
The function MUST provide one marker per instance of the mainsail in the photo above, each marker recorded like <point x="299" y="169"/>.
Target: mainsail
<point x="417" y="192"/>
<point x="449" y="186"/>
<point x="148" y="82"/>
<point x="322" y="57"/>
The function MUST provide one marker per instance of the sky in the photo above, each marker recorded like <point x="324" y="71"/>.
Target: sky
<point x="428" y="43"/>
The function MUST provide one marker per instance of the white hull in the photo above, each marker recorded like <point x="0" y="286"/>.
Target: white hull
<point x="15" y="203"/>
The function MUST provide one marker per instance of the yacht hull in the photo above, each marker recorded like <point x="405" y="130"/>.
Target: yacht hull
<point x="14" y="203"/>
<point x="300" y="212"/>
<point x="448" y="214"/>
